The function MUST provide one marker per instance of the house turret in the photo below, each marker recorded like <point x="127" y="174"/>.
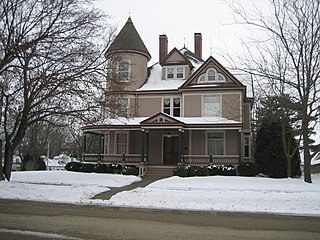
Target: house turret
<point x="130" y="56"/>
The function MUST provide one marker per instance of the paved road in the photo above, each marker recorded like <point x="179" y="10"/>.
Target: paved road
<point x="96" y="222"/>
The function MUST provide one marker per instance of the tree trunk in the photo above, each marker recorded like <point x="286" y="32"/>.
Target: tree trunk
<point x="1" y="171"/>
<point x="306" y="151"/>
<point x="8" y="160"/>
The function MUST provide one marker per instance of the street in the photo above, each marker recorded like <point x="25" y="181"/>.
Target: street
<point x="43" y="220"/>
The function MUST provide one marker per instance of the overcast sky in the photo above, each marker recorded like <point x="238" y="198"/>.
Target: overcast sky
<point x="179" y="20"/>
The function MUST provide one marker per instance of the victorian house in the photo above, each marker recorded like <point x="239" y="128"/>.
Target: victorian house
<point x="181" y="110"/>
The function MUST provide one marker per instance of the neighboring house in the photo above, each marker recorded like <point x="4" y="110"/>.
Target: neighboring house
<point x="181" y="110"/>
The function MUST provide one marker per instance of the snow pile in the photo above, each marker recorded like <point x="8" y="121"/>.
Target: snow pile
<point x="218" y="193"/>
<point x="60" y="186"/>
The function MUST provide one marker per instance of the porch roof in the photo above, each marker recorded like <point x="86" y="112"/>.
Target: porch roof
<point x="166" y="121"/>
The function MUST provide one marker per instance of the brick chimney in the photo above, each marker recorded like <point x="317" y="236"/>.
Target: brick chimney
<point x="163" y="47"/>
<point x="198" y="45"/>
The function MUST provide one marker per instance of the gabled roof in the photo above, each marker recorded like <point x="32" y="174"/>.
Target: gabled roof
<point x="205" y="65"/>
<point x="161" y="119"/>
<point x="128" y="40"/>
<point x="184" y="61"/>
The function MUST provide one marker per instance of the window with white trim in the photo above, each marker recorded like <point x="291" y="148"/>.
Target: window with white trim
<point x="121" y="142"/>
<point x="172" y="106"/>
<point x="175" y="72"/>
<point x="124" y="71"/>
<point x="215" y="143"/>
<point x="106" y="143"/>
<point x="211" y="75"/>
<point x="211" y="106"/>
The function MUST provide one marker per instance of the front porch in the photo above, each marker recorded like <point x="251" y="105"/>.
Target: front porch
<point x="162" y="140"/>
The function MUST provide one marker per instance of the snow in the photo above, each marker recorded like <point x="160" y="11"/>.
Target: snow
<point x="155" y="81"/>
<point x="60" y="186"/>
<point x="214" y="193"/>
<point x="186" y="120"/>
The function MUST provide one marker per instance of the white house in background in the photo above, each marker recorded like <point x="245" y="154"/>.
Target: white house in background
<point x="181" y="110"/>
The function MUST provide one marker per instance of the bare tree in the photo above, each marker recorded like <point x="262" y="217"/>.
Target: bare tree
<point x="286" y="58"/>
<point x="51" y="64"/>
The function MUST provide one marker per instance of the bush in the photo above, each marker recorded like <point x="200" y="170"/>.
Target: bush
<point x="130" y="170"/>
<point x="180" y="171"/>
<point x="247" y="169"/>
<point x="191" y="171"/>
<point x="73" y="166"/>
<point x="202" y="171"/>
<point x="101" y="168"/>
<point x="86" y="167"/>
<point x="115" y="168"/>
<point x="213" y="170"/>
<point x="228" y="170"/>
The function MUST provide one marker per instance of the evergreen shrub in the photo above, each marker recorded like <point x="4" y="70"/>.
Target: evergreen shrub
<point x="87" y="167"/>
<point x="213" y="170"/>
<point x="228" y="170"/>
<point x="202" y="171"/>
<point x="73" y="166"/>
<point x="180" y="171"/>
<point x="130" y="170"/>
<point x="247" y="169"/>
<point x="191" y="171"/>
<point x="101" y="168"/>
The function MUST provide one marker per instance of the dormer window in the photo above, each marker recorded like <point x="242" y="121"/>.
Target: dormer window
<point x="170" y="73"/>
<point x="175" y="72"/>
<point x="211" y="75"/>
<point x="124" y="71"/>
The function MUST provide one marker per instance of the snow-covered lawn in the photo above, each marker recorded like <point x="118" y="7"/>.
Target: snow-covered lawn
<point x="216" y="193"/>
<point x="60" y="186"/>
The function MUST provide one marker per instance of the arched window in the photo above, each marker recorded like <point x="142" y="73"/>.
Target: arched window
<point x="211" y="75"/>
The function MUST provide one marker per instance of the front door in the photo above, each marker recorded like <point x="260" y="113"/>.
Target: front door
<point x="170" y="150"/>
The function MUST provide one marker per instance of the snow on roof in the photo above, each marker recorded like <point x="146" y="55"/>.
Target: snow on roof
<point x="121" y="121"/>
<point x="206" y="120"/>
<point x="186" y="120"/>
<point x="155" y="81"/>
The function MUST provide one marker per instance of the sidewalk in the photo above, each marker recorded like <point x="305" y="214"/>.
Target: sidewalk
<point x="113" y="191"/>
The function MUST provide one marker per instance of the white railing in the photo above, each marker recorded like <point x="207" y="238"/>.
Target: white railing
<point x="113" y="158"/>
<point x="213" y="159"/>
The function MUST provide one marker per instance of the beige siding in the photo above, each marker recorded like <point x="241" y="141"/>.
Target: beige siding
<point x="198" y="143"/>
<point x="231" y="141"/>
<point x="231" y="106"/>
<point x="155" y="147"/>
<point x="135" y="142"/>
<point x="138" y="71"/>
<point x="246" y="117"/>
<point x="192" y="106"/>
<point x="149" y="106"/>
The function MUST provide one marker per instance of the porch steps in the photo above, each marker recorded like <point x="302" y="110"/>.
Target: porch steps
<point x="159" y="171"/>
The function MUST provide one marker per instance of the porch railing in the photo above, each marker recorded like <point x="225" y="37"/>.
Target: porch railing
<point x="113" y="158"/>
<point x="210" y="159"/>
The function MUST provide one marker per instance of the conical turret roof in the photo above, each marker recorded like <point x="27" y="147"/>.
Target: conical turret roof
<point x="128" y="40"/>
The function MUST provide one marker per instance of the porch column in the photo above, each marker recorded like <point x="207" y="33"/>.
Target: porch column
<point x="240" y="146"/>
<point x="84" y="147"/>
<point x="142" y="144"/>
<point x="101" y="142"/>
<point x="181" y="145"/>
<point x="147" y="145"/>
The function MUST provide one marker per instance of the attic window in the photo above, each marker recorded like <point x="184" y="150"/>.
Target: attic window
<point x="211" y="75"/>
<point x="176" y="72"/>
<point x="170" y="73"/>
